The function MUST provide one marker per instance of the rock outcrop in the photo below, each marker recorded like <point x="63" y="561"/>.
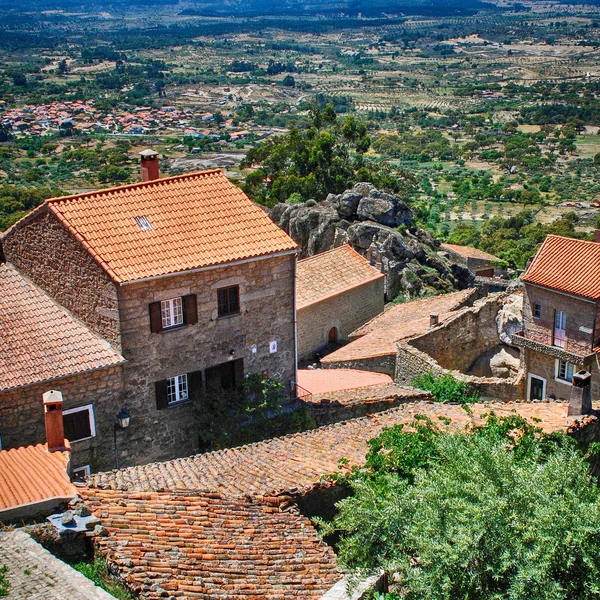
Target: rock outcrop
<point x="381" y="226"/>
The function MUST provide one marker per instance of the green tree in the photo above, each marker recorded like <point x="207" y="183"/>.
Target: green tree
<point x="501" y="512"/>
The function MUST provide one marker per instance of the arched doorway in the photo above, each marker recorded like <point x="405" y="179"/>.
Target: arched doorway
<point x="333" y="335"/>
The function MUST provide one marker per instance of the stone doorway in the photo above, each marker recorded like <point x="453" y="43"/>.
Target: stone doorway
<point x="333" y="335"/>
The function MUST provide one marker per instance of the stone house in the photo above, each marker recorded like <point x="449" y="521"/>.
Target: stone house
<point x="478" y="262"/>
<point x="187" y="282"/>
<point x="337" y="292"/>
<point x="561" y="317"/>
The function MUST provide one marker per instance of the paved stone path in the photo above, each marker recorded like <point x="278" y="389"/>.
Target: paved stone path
<point x="35" y="574"/>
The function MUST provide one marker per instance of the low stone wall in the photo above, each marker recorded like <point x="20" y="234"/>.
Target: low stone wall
<point x="378" y="364"/>
<point x="411" y="362"/>
<point x="334" y="407"/>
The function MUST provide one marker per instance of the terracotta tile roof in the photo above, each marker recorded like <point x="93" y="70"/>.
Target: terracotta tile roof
<point x="567" y="265"/>
<point x="203" y="546"/>
<point x="378" y="337"/>
<point x="324" y="381"/>
<point x="293" y="464"/>
<point x="196" y="220"/>
<point x="469" y="252"/>
<point x="31" y="474"/>
<point x="331" y="273"/>
<point x="40" y="340"/>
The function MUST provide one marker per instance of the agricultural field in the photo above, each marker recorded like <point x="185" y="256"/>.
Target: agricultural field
<point x="493" y="110"/>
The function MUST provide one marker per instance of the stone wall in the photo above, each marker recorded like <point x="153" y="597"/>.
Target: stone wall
<point x="378" y="364"/>
<point x="581" y="318"/>
<point x="22" y="414"/>
<point x="461" y="340"/>
<point x="266" y="314"/>
<point x="42" y="248"/>
<point x="346" y="311"/>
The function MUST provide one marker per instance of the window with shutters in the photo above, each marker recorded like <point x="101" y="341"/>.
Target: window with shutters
<point x="171" y="312"/>
<point x="229" y="301"/>
<point x="564" y="371"/>
<point x="177" y="389"/>
<point x="79" y="423"/>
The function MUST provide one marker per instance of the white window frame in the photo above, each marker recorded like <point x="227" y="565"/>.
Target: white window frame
<point x="557" y="376"/>
<point x="87" y="471"/>
<point x="90" y="409"/>
<point x="171" y="312"/>
<point x="178" y="388"/>
<point x="535" y="309"/>
<point x="529" y="376"/>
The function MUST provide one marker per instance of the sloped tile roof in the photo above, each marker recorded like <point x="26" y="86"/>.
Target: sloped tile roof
<point x="330" y="273"/>
<point x="31" y="474"/>
<point x="40" y="340"/>
<point x="203" y="546"/>
<point x="567" y="265"/>
<point x="469" y="252"/>
<point x="379" y="336"/>
<point x="325" y="381"/>
<point x="196" y="220"/>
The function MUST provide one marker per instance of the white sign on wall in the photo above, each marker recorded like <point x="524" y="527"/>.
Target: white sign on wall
<point x="273" y="347"/>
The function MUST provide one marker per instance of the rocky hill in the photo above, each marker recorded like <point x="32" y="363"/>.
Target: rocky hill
<point x="380" y="226"/>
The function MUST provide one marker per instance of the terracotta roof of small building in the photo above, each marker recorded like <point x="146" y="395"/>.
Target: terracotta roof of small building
<point x="31" y="474"/>
<point x="469" y="252"/>
<point x="204" y="546"/>
<point x="40" y="340"/>
<point x="379" y="336"/>
<point x="325" y="381"/>
<point x="330" y="273"/>
<point x="170" y="225"/>
<point x="567" y="265"/>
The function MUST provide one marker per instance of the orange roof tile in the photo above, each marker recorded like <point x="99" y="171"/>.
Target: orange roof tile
<point x="203" y="546"/>
<point x="31" y="474"/>
<point x="331" y="273"/>
<point x="378" y="337"/>
<point x="567" y="265"/>
<point x="197" y="220"/>
<point x="324" y="381"/>
<point x="40" y="340"/>
<point x="469" y="252"/>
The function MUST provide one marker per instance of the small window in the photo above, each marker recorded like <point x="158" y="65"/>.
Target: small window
<point x="80" y="473"/>
<point x="171" y="312"/>
<point x="144" y="223"/>
<point x="537" y="311"/>
<point x="79" y="423"/>
<point x="229" y="300"/>
<point x="177" y="389"/>
<point x="565" y="371"/>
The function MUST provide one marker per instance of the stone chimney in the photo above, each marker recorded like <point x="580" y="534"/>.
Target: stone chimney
<point x="580" y="402"/>
<point x="597" y="236"/>
<point x="55" y="430"/>
<point x="149" y="165"/>
<point x="434" y="320"/>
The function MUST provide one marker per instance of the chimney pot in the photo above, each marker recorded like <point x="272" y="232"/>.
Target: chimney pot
<point x="434" y="320"/>
<point x="55" y="430"/>
<point x="597" y="236"/>
<point x="149" y="165"/>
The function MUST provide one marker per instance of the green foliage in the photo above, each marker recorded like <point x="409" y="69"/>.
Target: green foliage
<point x="4" y="584"/>
<point x="502" y="511"/>
<point x="445" y="388"/>
<point x="97" y="571"/>
<point x="255" y="412"/>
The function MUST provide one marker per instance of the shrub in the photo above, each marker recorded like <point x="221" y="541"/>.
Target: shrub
<point x="4" y="585"/>
<point x="445" y="388"/>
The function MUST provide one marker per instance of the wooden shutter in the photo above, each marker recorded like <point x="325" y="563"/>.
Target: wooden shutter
<point x="213" y="379"/>
<point x="194" y="384"/>
<point x="190" y="309"/>
<point x="155" y="317"/>
<point x="238" y="373"/>
<point x="222" y="301"/>
<point x="234" y="300"/>
<point x="160" y="389"/>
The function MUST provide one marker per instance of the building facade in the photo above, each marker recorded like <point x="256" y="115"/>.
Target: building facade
<point x="561" y="318"/>
<point x="185" y="280"/>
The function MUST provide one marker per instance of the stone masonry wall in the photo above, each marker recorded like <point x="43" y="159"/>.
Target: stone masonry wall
<point x="346" y="311"/>
<point x="411" y="362"/>
<point x="378" y="364"/>
<point x="267" y="314"/>
<point x="44" y="250"/>
<point x="22" y="414"/>
<point x="459" y="342"/>
<point x="580" y="314"/>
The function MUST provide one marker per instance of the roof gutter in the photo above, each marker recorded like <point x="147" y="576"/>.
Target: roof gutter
<point x="212" y="267"/>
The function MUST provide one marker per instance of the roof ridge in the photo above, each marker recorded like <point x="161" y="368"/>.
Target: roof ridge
<point x="135" y="185"/>
<point x="344" y="245"/>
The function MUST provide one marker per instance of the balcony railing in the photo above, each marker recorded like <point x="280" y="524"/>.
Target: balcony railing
<point x="544" y="343"/>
